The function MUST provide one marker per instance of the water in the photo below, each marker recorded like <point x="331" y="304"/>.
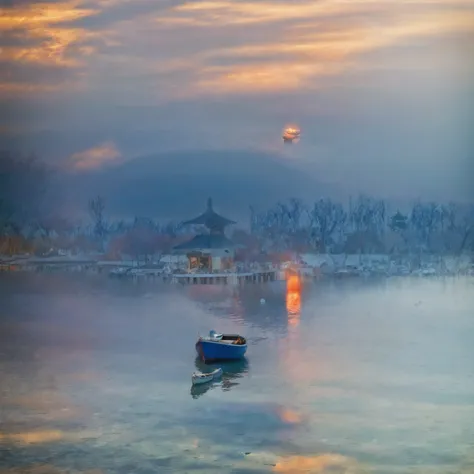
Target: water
<point x="341" y="377"/>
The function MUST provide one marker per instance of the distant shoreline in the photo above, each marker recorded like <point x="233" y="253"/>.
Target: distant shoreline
<point x="311" y="265"/>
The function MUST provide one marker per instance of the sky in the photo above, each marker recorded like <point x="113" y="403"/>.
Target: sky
<point x="383" y="91"/>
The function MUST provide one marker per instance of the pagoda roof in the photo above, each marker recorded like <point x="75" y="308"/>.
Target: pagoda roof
<point x="206" y="241"/>
<point x="210" y="218"/>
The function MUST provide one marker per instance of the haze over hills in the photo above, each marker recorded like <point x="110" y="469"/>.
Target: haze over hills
<point x="176" y="185"/>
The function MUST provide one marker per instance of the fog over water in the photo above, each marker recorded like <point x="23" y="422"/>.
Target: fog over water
<point x="346" y="377"/>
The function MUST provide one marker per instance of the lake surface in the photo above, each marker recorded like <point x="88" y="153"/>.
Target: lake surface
<point x="340" y="377"/>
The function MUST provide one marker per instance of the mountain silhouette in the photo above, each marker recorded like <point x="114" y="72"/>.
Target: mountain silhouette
<point x="176" y="185"/>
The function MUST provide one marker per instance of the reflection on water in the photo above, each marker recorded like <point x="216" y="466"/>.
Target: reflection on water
<point x="293" y="299"/>
<point x="232" y="371"/>
<point x="330" y="463"/>
<point x="344" y="377"/>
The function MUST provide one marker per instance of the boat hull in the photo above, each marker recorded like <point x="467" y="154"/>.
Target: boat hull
<point x="210" y="351"/>
<point x="200" y="378"/>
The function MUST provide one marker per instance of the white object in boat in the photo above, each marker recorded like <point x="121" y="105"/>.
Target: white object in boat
<point x="199" y="377"/>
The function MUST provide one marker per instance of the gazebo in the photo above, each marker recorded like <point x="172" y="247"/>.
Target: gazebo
<point x="212" y="251"/>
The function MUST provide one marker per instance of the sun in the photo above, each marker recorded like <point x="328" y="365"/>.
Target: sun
<point x="291" y="134"/>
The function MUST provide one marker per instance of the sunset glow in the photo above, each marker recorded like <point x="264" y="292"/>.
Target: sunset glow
<point x="302" y="41"/>
<point x="152" y="77"/>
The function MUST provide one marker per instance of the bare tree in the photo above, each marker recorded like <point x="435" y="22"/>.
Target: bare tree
<point x="296" y="210"/>
<point x="325" y="217"/>
<point x="367" y="214"/>
<point x="467" y="229"/>
<point x="425" y="219"/>
<point x="96" y="210"/>
<point x="253" y="220"/>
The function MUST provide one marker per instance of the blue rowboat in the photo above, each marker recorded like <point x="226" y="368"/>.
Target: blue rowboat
<point x="221" y="347"/>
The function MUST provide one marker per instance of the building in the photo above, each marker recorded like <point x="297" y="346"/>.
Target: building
<point x="211" y="251"/>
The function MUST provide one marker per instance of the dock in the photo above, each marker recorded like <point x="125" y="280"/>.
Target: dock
<point x="231" y="278"/>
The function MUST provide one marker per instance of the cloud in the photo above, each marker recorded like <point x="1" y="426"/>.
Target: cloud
<point x="96" y="157"/>
<point x="364" y="79"/>
<point x="302" y="59"/>
<point x="42" y="25"/>
<point x="41" y="35"/>
<point x="286" y="46"/>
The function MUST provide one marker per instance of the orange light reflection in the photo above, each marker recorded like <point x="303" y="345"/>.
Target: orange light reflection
<point x="290" y="416"/>
<point x="326" y="462"/>
<point x="293" y="299"/>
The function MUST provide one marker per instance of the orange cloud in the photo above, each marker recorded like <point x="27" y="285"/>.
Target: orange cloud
<point x="224" y="13"/>
<point x="42" y="24"/>
<point x="298" y="59"/>
<point x="219" y="14"/>
<point x="95" y="157"/>
<point x="52" y="47"/>
<point x="39" y="14"/>
<point x="270" y="46"/>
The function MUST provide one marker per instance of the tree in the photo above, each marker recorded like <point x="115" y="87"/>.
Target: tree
<point x="467" y="229"/>
<point x="56" y="223"/>
<point x="272" y="226"/>
<point x="324" y="218"/>
<point x="96" y="210"/>
<point x="296" y="210"/>
<point x="138" y="242"/>
<point x="425" y="219"/>
<point x="171" y="229"/>
<point x="450" y="213"/>
<point x="253" y="220"/>
<point x="367" y="214"/>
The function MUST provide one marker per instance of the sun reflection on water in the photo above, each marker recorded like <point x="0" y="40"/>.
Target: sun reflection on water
<point x="293" y="299"/>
